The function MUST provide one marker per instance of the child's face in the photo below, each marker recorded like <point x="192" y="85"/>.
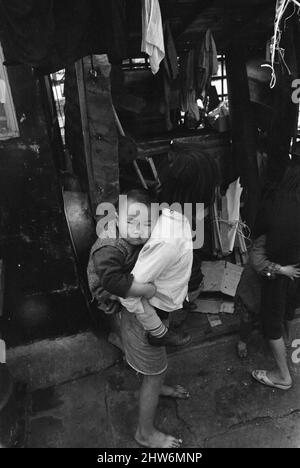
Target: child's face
<point x="136" y="225"/>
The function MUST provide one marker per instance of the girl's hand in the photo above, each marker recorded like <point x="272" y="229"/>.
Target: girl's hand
<point x="291" y="271"/>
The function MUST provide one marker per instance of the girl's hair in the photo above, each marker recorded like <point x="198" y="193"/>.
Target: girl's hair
<point x="290" y="184"/>
<point x="146" y="197"/>
<point x="140" y="196"/>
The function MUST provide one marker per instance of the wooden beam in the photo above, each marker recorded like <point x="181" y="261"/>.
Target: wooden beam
<point x="243" y="129"/>
<point x="258" y="17"/>
<point x="199" y="9"/>
<point x="285" y="111"/>
<point x="85" y="130"/>
<point x="99" y="128"/>
<point x="229" y="24"/>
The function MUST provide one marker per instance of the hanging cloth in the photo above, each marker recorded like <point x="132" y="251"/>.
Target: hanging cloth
<point x="207" y="65"/>
<point x="171" y="60"/>
<point x="199" y="65"/>
<point x="170" y="74"/>
<point x="152" y="33"/>
<point x="188" y="92"/>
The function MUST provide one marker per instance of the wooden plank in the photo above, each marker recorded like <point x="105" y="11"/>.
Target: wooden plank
<point x="85" y="129"/>
<point x="244" y="132"/>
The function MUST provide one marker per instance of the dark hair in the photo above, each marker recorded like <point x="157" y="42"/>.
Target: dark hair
<point x="290" y="184"/>
<point x="140" y="196"/>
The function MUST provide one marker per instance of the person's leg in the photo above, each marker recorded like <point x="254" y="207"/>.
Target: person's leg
<point x="274" y="306"/>
<point x="246" y="327"/>
<point x="288" y="332"/>
<point x="146" y="434"/>
<point x="282" y="373"/>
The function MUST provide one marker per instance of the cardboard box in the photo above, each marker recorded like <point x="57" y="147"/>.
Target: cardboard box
<point x="221" y="276"/>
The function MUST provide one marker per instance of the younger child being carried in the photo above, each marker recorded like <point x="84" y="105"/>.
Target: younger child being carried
<point x="112" y="259"/>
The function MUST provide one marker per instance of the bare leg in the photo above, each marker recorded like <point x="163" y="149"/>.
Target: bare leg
<point x="146" y="434"/>
<point x="288" y="332"/>
<point x="246" y="328"/>
<point x="282" y="373"/>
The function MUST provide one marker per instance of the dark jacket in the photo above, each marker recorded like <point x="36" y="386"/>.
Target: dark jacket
<point x="109" y="269"/>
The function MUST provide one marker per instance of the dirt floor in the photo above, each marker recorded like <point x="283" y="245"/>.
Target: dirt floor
<point x="226" y="409"/>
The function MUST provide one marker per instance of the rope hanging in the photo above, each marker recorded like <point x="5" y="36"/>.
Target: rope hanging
<point x="281" y="8"/>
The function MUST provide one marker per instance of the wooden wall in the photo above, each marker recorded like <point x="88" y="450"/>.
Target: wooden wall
<point x="42" y="297"/>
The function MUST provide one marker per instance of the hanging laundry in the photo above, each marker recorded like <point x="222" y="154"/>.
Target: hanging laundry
<point x="152" y="33"/>
<point x="188" y="92"/>
<point x="171" y="61"/>
<point x="198" y="67"/>
<point x="2" y="91"/>
<point x="170" y="75"/>
<point x="207" y="65"/>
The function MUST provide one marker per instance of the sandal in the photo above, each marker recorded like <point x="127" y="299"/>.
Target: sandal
<point x="261" y="377"/>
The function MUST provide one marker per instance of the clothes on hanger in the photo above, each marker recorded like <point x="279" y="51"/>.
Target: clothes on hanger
<point x="188" y="87"/>
<point x="171" y="58"/>
<point x="198" y="66"/>
<point x="207" y="65"/>
<point x="170" y="71"/>
<point x="152" y="33"/>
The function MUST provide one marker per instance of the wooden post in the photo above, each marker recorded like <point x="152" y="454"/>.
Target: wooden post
<point x="99" y="128"/>
<point x="85" y="130"/>
<point x="102" y="127"/>
<point x="285" y="111"/>
<point x="243" y="129"/>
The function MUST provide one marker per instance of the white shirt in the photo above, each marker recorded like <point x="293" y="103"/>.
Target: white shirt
<point x="165" y="260"/>
<point x="153" y="37"/>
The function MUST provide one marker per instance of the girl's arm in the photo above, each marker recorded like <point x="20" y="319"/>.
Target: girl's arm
<point x="263" y="266"/>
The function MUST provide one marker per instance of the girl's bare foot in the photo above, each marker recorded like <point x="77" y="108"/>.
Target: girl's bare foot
<point x="175" y="392"/>
<point x="157" y="440"/>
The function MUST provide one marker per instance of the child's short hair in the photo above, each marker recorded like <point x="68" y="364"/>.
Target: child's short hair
<point x="140" y="196"/>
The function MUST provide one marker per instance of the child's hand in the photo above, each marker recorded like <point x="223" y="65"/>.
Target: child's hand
<point x="291" y="271"/>
<point x="150" y="290"/>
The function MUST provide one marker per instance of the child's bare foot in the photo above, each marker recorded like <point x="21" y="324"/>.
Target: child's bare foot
<point x="175" y="392"/>
<point x="157" y="440"/>
<point x="242" y="350"/>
